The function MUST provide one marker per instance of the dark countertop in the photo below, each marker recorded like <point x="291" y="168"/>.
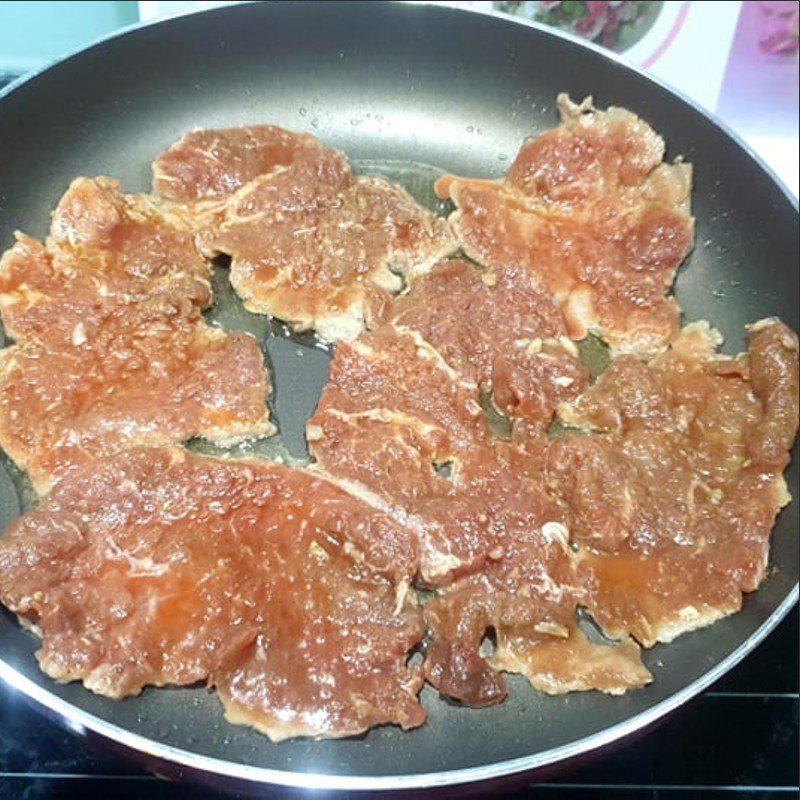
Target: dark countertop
<point x="738" y="740"/>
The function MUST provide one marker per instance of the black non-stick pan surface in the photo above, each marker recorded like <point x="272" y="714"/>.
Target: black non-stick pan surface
<point x="382" y="81"/>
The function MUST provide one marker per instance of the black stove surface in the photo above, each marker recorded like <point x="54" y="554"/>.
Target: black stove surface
<point x="738" y="740"/>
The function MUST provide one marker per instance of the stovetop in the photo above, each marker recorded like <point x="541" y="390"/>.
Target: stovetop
<point x="738" y="740"/>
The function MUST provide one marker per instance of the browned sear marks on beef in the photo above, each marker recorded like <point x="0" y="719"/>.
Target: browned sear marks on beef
<point x="526" y="593"/>
<point x="284" y="592"/>
<point x="489" y="535"/>
<point x="321" y="249"/>
<point x="673" y="501"/>
<point x="392" y="412"/>
<point x="591" y="211"/>
<point x="499" y="330"/>
<point x="213" y="164"/>
<point x="109" y="255"/>
<point x="112" y="350"/>
<point x="310" y="243"/>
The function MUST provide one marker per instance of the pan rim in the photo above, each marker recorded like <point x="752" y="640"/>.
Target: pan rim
<point x="81" y="721"/>
<point x="449" y="7"/>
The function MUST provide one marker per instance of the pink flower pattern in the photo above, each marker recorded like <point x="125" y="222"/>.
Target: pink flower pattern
<point x="780" y="32"/>
<point x="596" y="20"/>
<point x="603" y="19"/>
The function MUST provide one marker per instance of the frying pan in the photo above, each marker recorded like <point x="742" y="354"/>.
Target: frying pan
<point x="449" y="88"/>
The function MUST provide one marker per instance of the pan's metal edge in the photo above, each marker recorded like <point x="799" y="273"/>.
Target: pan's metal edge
<point x="80" y="721"/>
